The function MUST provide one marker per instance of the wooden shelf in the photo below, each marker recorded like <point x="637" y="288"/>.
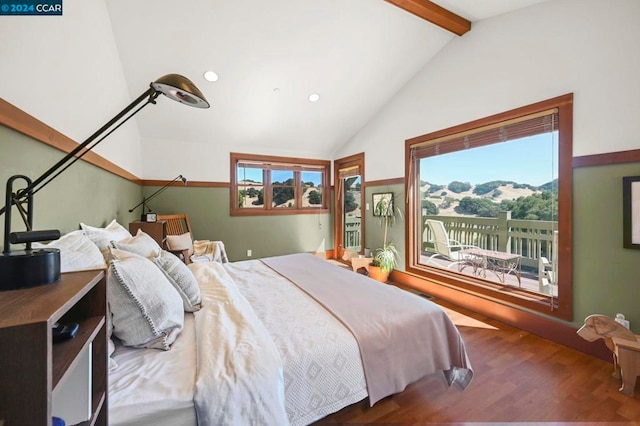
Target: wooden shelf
<point x="65" y="353"/>
<point x="31" y="365"/>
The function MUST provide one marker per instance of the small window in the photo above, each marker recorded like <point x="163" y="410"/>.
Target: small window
<point x="278" y="185"/>
<point x="250" y="187"/>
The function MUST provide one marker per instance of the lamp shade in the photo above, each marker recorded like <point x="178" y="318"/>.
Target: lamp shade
<point x="181" y="89"/>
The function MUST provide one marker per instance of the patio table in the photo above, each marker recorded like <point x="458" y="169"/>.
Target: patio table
<point x="498" y="262"/>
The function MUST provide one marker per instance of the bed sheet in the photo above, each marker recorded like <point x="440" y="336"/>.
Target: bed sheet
<point x="154" y="387"/>
<point x="322" y="366"/>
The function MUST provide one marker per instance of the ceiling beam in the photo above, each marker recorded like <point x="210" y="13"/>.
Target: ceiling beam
<point x="435" y="14"/>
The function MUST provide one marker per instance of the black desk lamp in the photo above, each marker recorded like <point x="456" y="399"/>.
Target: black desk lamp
<point x="32" y="267"/>
<point x="149" y="216"/>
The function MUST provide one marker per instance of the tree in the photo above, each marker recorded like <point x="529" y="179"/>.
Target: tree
<point x="485" y="188"/>
<point x="481" y="207"/>
<point x="315" y="197"/>
<point x="349" y="202"/>
<point x="260" y="200"/>
<point x="435" y="188"/>
<point x="429" y="208"/>
<point x="282" y="194"/>
<point x="458" y="187"/>
<point x="538" y="206"/>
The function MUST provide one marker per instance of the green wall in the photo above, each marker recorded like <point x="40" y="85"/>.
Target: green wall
<point x="208" y="212"/>
<point x="83" y="193"/>
<point x="374" y="229"/>
<point x="605" y="275"/>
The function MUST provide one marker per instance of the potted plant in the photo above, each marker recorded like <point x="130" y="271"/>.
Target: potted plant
<point x="385" y="258"/>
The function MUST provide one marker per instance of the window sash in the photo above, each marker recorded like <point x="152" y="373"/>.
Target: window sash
<point x="268" y="165"/>
<point x="521" y="127"/>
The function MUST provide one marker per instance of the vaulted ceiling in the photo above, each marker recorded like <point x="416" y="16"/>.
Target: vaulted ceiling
<point x="271" y="55"/>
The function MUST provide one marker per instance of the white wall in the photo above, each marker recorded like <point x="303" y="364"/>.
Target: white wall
<point x="65" y="71"/>
<point x="588" y="47"/>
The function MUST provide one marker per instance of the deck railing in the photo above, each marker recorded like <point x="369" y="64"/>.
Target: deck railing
<point x="352" y="231"/>
<point x="531" y="239"/>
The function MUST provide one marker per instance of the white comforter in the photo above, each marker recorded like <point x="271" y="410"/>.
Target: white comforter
<point x="239" y="371"/>
<point x="261" y="351"/>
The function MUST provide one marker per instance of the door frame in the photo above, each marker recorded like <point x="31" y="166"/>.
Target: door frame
<point x="338" y="233"/>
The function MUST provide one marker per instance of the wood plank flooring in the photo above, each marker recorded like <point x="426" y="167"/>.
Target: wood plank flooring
<point x="518" y="378"/>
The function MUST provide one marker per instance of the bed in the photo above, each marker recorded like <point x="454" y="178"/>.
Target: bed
<point x="287" y="339"/>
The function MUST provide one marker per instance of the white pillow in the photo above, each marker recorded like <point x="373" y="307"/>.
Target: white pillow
<point x="182" y="279"/>
<point x="180" y="242"/>
<point x="111" y="347"/>
<point x="77" y="252"/>
<point x="103" y="236"/>
<point x="146" y="310"/>
<point x="141" y="244"/>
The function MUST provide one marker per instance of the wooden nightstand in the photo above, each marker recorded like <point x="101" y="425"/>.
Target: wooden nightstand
<point x="32" y="366"/>
<point x="156" y="230"/>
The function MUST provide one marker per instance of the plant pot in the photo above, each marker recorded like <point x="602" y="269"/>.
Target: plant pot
<point x="378" y="274"/>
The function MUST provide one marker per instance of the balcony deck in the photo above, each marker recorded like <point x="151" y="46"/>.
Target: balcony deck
<point x="528" y="280"/>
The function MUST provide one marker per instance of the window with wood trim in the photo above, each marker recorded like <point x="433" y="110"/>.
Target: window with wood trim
<point x="489" y="206"/>
<point x="264" y="185"/>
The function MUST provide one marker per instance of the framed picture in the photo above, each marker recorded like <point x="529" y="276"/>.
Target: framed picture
<point x="631" y="212"/>
<point x="383" y="204"/>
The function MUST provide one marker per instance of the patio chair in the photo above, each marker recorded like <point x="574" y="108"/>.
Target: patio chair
<point x="443" y="245"/>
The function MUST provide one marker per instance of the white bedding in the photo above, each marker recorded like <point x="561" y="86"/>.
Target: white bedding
<point x="157" y="387"/>
<point x="240" y="374"/>
<point x="154" y="387"/>
<point x="318" y="357"/>
<point x="322" y="366"/>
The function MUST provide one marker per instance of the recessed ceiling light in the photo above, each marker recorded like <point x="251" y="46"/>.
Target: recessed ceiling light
<point x="211" y="76"/>
<point x="314" y="97"/>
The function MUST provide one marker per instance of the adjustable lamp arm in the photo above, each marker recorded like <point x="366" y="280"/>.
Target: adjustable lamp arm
<point x="76" y="154"/>
<point x="173" y="86"/>
<point x="152" y="196"/>
<point x="29" y="267"/>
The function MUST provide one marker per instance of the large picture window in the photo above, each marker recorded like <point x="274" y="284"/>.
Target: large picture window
<point x="278" y="185"/>
<point x="490" y="206"/>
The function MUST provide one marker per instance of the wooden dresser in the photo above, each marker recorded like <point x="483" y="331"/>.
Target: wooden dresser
<point x="32" y="366"/>
<point x="156" y="230"/>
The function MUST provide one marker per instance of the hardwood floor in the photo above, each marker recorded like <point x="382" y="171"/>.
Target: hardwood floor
<point x="518" y="378"/>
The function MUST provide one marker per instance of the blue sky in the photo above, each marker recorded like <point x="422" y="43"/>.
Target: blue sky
<point x="526" y="160"/>
<point x="278" y="175"/>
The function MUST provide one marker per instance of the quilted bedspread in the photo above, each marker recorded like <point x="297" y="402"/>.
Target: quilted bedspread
<point x="402" y="337"/>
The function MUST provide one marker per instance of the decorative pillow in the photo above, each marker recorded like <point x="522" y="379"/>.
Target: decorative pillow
<point x="111" y="347"/>
<point x="103" y="236"/>
<point x="180" y="242"/>
<point x="181" y="277"/>
<point x="141" y="244"/>
<point x="77" y="252"/>
<point x="146" y="310"/>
